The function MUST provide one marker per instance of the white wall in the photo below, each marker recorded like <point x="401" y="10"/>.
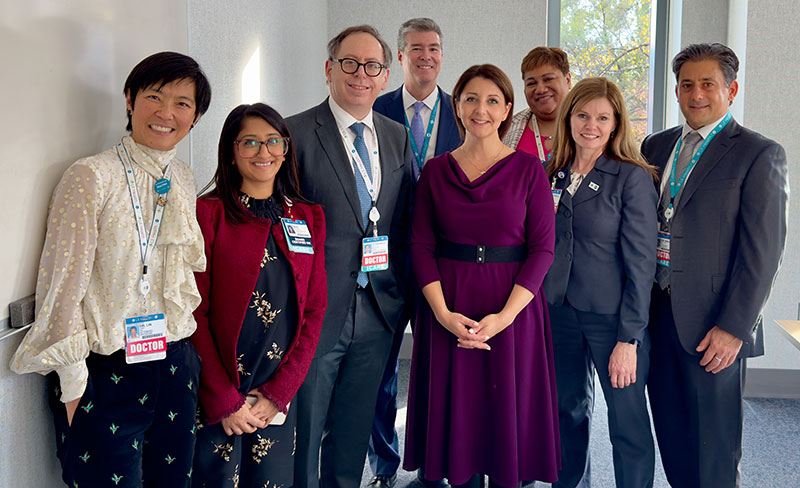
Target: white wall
<point x="64" y="65"/>
<point x="291" y="38"/>
<point x="474" y="32"/>
<point x="771" y="107"/>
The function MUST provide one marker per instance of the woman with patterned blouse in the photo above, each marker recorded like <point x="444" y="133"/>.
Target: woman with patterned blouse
<point x="121" y="248"/>
<point x="264" y="296"/>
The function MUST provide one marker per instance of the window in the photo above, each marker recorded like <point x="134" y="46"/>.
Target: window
<point x="611" y="38"/>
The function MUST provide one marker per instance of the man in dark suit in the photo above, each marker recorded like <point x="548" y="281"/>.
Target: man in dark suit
<point x="723" y="229"/>
<point x="357" y="164"/>
<point x="427" y="112"/>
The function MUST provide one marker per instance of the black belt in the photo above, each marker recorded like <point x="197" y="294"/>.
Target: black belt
<point x="480" y="253"/>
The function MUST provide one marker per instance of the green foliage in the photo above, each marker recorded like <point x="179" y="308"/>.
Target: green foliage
<point x="611" y="38"/>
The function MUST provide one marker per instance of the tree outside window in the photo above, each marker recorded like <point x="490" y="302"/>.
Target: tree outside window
<point x="611" y="38"/>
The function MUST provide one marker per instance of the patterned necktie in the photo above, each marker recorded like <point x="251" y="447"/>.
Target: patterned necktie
<point x="361" y="187"/>
<point x="418" y="134"/>
<point x="688" y="148"/>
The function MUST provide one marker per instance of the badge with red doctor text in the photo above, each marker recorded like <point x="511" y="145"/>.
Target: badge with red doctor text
<point x="375" y="253"/>
<point x="145" y="338"/>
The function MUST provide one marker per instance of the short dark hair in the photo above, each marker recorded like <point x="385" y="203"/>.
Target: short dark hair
<point x="496" y="76"/>
<point x="333" y="44"/>
<point x="420" y="24"/>
<point x="227" y="180"/>
<point x="722" y="54"/>
<point x="541" y="56"/>
<point x="165" y="67"/>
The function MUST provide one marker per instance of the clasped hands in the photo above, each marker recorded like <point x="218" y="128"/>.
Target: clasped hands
<point x="472" y="334"/>
<point x="249" y="418"/>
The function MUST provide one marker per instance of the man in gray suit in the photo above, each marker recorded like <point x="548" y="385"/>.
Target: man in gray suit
<point x="357" y="164"/>
<point x="722" y="218"/>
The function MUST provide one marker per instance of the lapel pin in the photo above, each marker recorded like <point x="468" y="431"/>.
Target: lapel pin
<point x="561" y="175"/>
<point x="594" y="186"/>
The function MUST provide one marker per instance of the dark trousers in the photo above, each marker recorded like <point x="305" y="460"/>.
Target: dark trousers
<point x="336" y="402"/>
<point x="583" y="341"/>
<point x="384" y="446"/>
<point x="135" y="423"/>
<point x="697" y="415"/>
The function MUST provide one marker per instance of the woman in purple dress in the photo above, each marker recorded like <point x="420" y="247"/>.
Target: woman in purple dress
<point x="482" y="398"/>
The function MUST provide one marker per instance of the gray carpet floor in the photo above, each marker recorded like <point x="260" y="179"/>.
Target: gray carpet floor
<point x="771" y="444"/>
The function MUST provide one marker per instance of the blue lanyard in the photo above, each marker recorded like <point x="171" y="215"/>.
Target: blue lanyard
<point x="420" y="155"/>
<point x="675" y="187"/>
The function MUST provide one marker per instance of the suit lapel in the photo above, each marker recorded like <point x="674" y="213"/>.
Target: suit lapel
<point x="396" y="109"/>
<point x="389" y="149"/>
<point x="594" y="182"/>
<point x="713" y="154"/>
<point x="661" y="157"/>
<point x="446" y="123"/>
<point x="331" y="142"/>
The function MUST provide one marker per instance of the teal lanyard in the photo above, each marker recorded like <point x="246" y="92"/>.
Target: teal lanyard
<point x="675" y="187"/>
<point x="420" y="155"/>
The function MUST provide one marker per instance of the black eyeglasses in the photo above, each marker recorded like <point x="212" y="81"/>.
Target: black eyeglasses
<point x="249" y="148"/>
<point x="350" y="66"/>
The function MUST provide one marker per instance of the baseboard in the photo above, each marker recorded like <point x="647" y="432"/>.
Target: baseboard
<point x="772" y="383"/>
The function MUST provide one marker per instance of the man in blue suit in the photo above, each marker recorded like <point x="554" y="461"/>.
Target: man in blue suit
<point x="427" y="112"/>
<point x="722" y="218"/>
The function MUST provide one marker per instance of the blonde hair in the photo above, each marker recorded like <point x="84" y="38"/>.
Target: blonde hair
<point x="621" y="144"/>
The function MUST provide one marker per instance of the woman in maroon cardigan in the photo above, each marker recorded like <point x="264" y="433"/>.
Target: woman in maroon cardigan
<point x="264" y="295"/>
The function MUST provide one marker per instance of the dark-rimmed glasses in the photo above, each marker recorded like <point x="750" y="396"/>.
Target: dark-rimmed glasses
<point x="249" y="148"/>
<point x="350" y="66"/>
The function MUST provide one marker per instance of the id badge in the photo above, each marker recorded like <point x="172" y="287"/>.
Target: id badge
<point x="297" y="236"/>
<point x="374" y="253"/>
<point x="145" y="338"/>
<point x="662" y="252"/>
<point x="556" y="198"/>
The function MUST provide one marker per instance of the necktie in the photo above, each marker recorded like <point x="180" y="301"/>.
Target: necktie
<point x="688" y="148"/>
<point x="418" y="134"/>
<point x="361" y="187"/>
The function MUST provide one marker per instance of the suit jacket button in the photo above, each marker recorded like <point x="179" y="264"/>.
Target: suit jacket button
<point x="568" y="235"/>
<point x="567" y="213"/>
<point x="569" y="256"/>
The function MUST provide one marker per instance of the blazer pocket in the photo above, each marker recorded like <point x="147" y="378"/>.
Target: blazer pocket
<point x="717" y="283"/>
<point x="723" y="184"/>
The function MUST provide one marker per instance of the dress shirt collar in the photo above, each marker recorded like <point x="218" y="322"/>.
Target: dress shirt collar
<point x="429" y="101"/>
<point x="703" y="131"/>
<point x="344" y="120"/>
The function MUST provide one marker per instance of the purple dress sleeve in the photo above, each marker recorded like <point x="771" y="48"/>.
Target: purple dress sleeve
<point x="540" y="226"/>
<point x="423" y="233"/>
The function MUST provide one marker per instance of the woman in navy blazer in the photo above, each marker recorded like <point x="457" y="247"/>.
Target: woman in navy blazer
<point x="263" y="299"/>
<point x="598" y="287"/>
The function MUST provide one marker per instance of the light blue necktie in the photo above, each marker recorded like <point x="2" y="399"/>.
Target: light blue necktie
<point x="418" y="133"/>
<point x="361" y="187"/>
